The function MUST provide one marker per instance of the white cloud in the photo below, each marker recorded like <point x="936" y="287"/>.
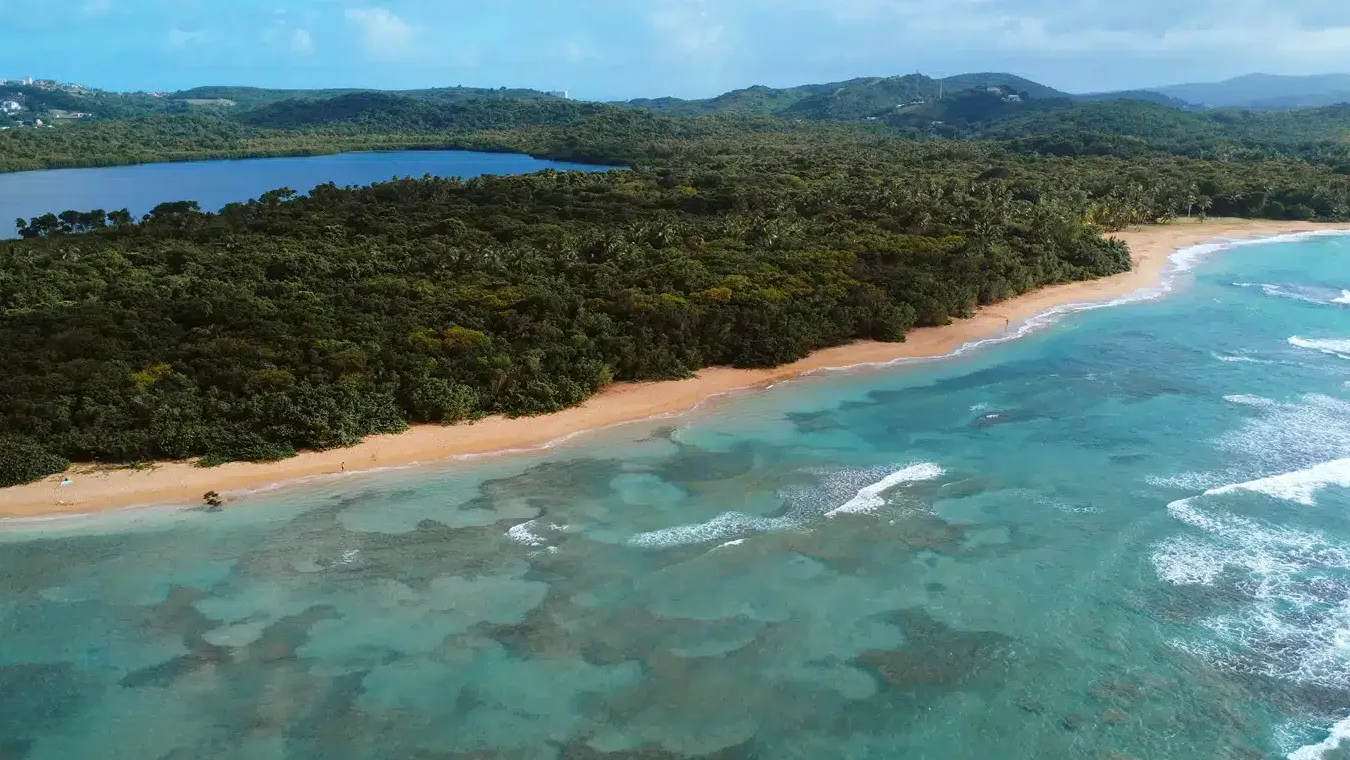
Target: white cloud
<point x="302" y="42"/>
<point x="384" y="35"/>
<point x="180" y="38"/>
<point x="1262" y="30"/>
<point x="689" y="27"/>
<point x="576" y="52"/>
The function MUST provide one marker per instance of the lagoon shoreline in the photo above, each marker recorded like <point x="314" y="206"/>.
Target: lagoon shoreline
<point x="97" y="489"/>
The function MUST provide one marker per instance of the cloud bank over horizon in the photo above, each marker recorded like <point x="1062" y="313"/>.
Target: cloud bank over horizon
<point x="688" y="48"/>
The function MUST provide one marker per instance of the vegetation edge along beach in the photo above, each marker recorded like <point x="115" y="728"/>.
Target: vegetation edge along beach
<point x="99" y="488"/>
<point x="737" y="238"/>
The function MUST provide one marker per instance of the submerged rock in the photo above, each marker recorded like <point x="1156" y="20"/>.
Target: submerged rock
<point x="1115" y="717"/>
<point x="1031" y="706"/>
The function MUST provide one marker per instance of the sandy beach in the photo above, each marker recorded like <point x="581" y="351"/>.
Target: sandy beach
<point x="96" y="489"/>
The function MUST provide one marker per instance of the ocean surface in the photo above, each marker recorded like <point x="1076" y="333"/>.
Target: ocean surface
<point x="1123" y="536"/>
<point x="215" y="183"/>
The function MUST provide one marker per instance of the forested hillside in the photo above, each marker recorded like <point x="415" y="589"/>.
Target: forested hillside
<point x="843" y="101"/>
<point x="246" y="98"/>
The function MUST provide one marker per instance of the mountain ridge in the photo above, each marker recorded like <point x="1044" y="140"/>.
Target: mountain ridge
<point x="1264" y="91"/>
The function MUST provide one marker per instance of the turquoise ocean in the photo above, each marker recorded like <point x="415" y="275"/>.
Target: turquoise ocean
<point x="1123" y="535"/>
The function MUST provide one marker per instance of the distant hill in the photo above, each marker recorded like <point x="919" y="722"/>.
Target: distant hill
<point x="753" y="101"/>
<point x="255" y="97"/>
<point x="876" y="97"/>
<point x="855" y="99"/>
<point x="1147" y="96"/>
<point x="1265" y="91"/>
<point x="1010" y="82"/>
<point x="382" y="110"/>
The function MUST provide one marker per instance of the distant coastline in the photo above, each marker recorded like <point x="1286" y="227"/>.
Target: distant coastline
<point x="339" y="149"/>
<point x="96" y="489"/>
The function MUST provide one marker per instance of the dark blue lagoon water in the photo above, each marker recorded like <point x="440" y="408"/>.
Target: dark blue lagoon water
<point x="1127" y="536"/>
<point x="215" y="183"/>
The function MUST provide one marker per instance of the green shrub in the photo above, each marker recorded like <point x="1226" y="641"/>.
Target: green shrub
<point x="23" y="460"/>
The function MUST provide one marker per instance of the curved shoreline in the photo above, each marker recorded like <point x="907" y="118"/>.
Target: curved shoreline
<point x="101" y="489"/>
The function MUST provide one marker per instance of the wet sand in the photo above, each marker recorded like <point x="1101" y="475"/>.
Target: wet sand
<point x="99" y="489"/>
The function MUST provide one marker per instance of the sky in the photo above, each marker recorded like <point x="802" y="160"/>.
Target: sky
<point x="612" y="49"/>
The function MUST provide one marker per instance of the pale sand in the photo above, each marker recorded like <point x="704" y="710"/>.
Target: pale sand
<point x="103" y="489"/>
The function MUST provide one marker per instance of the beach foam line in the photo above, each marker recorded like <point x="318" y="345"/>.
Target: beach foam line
<point x="869" y="497"/>
<point x="1339" y="735"/>
<point x="1333" y="346"/>
<point x="1180" y="262"/>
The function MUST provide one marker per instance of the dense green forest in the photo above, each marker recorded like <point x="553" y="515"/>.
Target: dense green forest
<point x="308" y="321"/>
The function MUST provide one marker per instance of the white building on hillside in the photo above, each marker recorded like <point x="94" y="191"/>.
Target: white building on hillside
<point x="10" y="106"/>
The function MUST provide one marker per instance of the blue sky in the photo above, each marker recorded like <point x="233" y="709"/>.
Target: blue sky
<point x="628" y="48"/>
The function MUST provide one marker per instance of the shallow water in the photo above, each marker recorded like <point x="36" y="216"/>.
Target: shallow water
<point x="215" y="183"/>
<point x="1126" y="536"/>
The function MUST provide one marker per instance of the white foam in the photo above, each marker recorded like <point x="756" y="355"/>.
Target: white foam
<point x="1249" y="400"/>
<point x="1300" y="486"/>
<point x="1293" y="620"/>
<point x="1188" y="481"/>
<point x="724" y="526"/>
<point x="1345" y="297"/>
<point x="730" y="544"/>
<point x="1333" y="346"/>
<point x="524" y="534"/>
<point x="870" y="497"/>
<point x="1311" y="430"/>
<point x="804" y="505"/>
<point x="1189" y="562"/>
<point x="1340" y="733"/>
<point x="1240" y="358"/>
<point x="1281" y="291"/>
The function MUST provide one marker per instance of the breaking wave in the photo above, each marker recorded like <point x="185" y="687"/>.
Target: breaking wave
<point x="870" y="497"/>
<point x="1293" y="618"/>
<point x="1289" y="435"/>
<point x="724" y="526"/>
<point x="1333" y="346"/>
<point x="805" y="505"/>
<point x="1339" y="737"/>
<point x="1284" y="590"/>
<point x="1240" y="358"/>
<point x="1291" y="292"/>
<point x="1299" y="486"/>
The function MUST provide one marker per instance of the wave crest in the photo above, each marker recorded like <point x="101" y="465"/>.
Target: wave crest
<point x="1340" y="735"/>
<point x="1334" y="346"/>
<point x="870" y="497"/>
